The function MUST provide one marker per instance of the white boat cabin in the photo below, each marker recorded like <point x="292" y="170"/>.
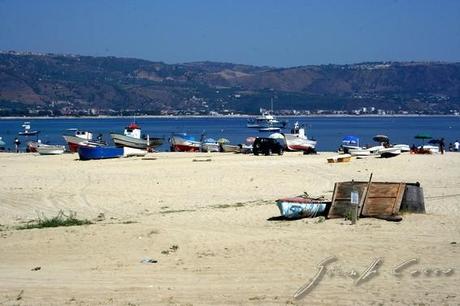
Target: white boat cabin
<point x="133" y="130"/>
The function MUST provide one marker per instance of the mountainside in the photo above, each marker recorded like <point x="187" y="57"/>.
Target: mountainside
<point x="69" y="84"/>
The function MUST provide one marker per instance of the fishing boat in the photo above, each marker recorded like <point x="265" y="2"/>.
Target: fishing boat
<point x="228" y="148"/>
<point x="349" y="142"/>
<point x="45" y="149"/>
<point x="297" y="140"/>
<point x="132" y="138"/>
<point x="298" y="207"/>
<point x="101" y="152"/>
<point x="266" y="122"/>
<point x="181" y="142"/>
<point x="27" y="131"/>
<point x="76" y="138"/>
<point x="210" y="145"/>
<point x="131" y="152"/>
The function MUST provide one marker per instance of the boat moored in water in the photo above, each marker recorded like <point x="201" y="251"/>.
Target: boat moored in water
<point x="27" y="131"/>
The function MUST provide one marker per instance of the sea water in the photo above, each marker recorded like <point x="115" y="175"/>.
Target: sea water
<point x="328" y="131"/>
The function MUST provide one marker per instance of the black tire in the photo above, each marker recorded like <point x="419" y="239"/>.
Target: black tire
<point x="281" y="152"/>
<point x="269" y="152"/>
<point x="256" y="153"/>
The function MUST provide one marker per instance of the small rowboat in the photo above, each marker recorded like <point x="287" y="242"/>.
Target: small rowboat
<point x="88" y="153"/>
<point x="44" y="149"/>
<point x="295" y="208"/>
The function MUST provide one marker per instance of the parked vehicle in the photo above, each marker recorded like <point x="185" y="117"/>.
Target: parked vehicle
<point x="267" y="146"/>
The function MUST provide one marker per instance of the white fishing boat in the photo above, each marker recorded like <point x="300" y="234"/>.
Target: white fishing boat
<point x="27" y="130"/>
<point x="228" y="148"/>
<point x="76" y="138"/>
<point x="132" y="138"/>
<point x="209" y="145"/>
<point x="130" y="152"/>
<point x="45" y="149"/>
<point x="297" y="140"/>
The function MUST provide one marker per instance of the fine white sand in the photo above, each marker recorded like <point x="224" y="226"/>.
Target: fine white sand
<point x="206" y="223"/>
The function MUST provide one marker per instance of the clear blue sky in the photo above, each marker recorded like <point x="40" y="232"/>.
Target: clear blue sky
<point x="259" y="32"/>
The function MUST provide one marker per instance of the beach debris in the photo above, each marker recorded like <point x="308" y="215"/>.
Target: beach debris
<point x="149" y="158"/>
<point x="171" y="249"/>
<point x="148" y="260"/>
<point x="453" y="242"/>
<point x="342" y="158"/>
<point x="19" y="296"/>
<point x="201" y="160"/>
<point x="100" y="217"/>
<point x="382" y="200"/>
<point x="38" y="268"/>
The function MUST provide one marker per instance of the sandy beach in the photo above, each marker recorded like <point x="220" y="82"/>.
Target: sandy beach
<point x="207" y="224"/>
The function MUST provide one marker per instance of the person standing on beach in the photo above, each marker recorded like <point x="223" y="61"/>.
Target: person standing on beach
<point x="456" y="146"/>
<point x="16" y="144"/>
<point x="441" y="145"/>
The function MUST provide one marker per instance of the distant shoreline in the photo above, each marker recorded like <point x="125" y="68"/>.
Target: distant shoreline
<point x="223" y="116"/>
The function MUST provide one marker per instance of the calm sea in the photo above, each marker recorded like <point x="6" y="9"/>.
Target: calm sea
<point x="328" y="131"/>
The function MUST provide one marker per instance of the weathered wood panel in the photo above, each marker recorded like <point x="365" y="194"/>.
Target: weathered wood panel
<point x="341" y="199"/>
<point x="383" y="199"/>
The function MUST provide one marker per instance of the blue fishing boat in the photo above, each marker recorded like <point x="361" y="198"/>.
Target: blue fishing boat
<point x="87" y="153"/>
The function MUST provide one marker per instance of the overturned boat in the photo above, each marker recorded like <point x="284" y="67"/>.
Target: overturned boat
<point x="299" y="207"/>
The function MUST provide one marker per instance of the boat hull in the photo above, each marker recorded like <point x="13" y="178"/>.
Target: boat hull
<point x="295" y="208"/>
<point x="228" y="148"/>
<point x="88" y="153"/>
<point x="74" y="142"/>
<point x="131" y="152"/>
<point x="296" y="143"/>
<point x="50" y="149"/>
<point x="184" y="143"/>
<point x="127" y="141"/>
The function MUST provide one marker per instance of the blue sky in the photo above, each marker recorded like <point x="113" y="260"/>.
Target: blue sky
<point x="258" y="32"/>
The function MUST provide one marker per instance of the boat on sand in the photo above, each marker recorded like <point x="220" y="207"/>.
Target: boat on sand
<point x="45" y="149"/>
<point x="132" y="138"/>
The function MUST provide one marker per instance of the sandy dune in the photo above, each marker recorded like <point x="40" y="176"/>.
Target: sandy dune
<point x="207" y="225"/>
